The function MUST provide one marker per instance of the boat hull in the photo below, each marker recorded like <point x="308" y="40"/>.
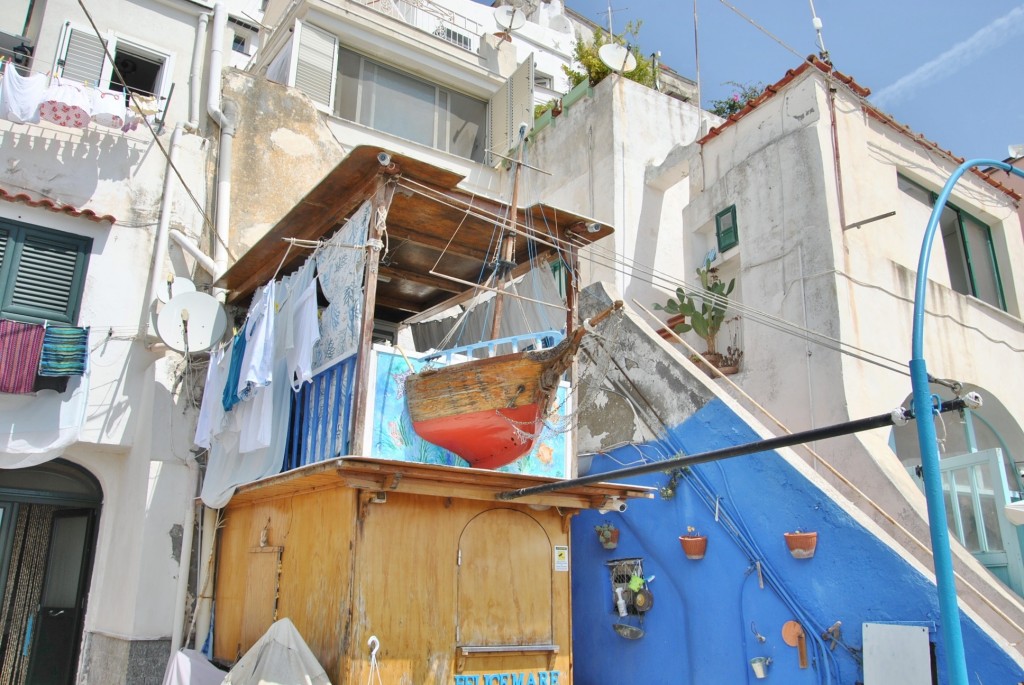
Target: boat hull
<point x="487" y="411"/>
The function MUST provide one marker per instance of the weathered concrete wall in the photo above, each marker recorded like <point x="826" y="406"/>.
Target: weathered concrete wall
<point x="282" y="149"/>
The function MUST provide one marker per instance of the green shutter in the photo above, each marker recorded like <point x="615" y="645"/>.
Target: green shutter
<point x="726" y="230"/>
<point x="45" y="275"/>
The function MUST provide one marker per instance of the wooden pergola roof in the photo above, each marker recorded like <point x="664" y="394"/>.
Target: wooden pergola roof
<point x="429" y="217"/>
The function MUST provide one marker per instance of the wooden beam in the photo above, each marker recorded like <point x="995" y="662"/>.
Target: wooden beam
<point x="456" y="247"/>
<point x="395" y="303"/>
<point x="422" y="279"/>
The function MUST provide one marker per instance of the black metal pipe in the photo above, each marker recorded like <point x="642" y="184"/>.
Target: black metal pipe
<point x="825" y="432"/>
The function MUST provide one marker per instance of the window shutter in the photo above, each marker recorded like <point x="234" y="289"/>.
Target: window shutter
<point x="510" y="106"/>
<point x="316" y="64"/>
<point x="726" y="230"/>
<point x="48" y="277"/>
<point x="83" y="57"/>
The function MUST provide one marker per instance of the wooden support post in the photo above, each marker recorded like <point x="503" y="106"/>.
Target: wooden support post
<point x="380" y="202"/>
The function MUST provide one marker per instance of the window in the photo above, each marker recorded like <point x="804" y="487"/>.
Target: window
<point x="380" y="96"/>
<point x="725" y="229"/>
<point x="41" y="273"/>
<point x="82" y="57"/>
<point x="238" y="44"/>
<point x="970" y="252"/>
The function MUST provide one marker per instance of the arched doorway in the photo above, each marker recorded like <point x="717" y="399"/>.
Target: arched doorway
<point x="48" y="516"/>
<point x="981" y="454"/>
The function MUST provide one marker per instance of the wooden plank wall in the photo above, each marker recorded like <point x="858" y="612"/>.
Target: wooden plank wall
<point x="406" y="589"/>
<point x="315" y="529"/>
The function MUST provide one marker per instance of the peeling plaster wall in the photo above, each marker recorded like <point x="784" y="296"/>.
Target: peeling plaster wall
<point x="706" y="613"/>
<point x="282" y="149"/>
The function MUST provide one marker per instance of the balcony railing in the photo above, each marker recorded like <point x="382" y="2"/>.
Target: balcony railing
<point x="427" y="16"/>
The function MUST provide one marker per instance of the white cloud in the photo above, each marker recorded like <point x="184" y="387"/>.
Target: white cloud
<point x="981" y="44"/>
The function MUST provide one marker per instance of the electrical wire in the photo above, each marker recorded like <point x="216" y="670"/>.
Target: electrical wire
<point x="156" y="139"/>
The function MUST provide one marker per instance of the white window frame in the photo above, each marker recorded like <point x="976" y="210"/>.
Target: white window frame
<point x="113" y="40"/>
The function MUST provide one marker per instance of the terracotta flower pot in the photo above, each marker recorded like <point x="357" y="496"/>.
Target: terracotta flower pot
<point x="801" y="545"/>
<point x="694" y="545"/>
<point x="609" y="538"/>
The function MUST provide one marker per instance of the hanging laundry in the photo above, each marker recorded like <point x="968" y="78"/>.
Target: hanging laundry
<point x="21" y="345"/>
<point x="211" y="412"/>
<point x="229" y="397"/>
<point x="66" y="103"/>
<point x="144" y="105"/>
<point x="304" y="328"/>
<point x="65" y="351"/>
<point x="258" y="361"/>
<point x="20" y="96"/>
<point x="108" y="107"/>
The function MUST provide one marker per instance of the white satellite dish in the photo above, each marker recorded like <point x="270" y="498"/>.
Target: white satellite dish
<point x="179" y="285"/>
<point x="1015" y="151"/>
<point x="617" y="57"/>
<point x="509" y="18"/>
<point x="191" y="321"/>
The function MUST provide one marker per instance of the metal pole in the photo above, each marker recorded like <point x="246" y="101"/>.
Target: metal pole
<point x="952" y="635"/>
<point x="822" y="433"/>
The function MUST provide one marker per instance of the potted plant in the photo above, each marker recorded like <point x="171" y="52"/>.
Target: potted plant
<point x="694" y="544"/>
<point x="801" y="544"/>
<point x="608" y="535"/>
<point x="705" y="314"/>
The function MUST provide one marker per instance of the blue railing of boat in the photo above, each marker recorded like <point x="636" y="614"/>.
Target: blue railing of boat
<point x="510" y="345"/>
<point x="321" y="411"/>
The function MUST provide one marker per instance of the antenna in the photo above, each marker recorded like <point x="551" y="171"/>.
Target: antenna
<point x="618" y="58"/>
<point x="509" y="18"/>
<point x="816" y="22"/>
<point x="191" y="322"/>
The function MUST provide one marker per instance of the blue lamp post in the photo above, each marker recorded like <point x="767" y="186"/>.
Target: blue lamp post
<point x="949" y="610"/>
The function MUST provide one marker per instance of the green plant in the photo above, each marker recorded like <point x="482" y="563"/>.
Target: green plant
<point x="707" y="317"/>
<point x="738" y="100"/>
<point x="594" y="70"/>
<point x="538" y="110"/>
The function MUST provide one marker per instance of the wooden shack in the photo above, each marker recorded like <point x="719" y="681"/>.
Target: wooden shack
<point x="455" y="584"/>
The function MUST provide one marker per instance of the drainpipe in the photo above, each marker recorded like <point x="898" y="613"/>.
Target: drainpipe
<point x="225" y="119"/>
<point x="204" y="595"/>
<point x="189" y="246"/>
<point x="185" y="564"/>
<point x="835" y="153"/>
<point x="942" y="558"/>
<point x="160" y="248"/>
<point x="195" y="78"/>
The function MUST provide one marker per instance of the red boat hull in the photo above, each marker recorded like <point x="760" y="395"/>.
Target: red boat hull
<point x="487" y="439"/>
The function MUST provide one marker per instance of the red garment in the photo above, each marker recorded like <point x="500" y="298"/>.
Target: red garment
<point x="21" y="345"/>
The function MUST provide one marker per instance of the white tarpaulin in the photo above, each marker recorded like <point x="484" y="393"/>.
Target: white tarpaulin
<point x="280" y="657"/>
<point x="189" y="667"/>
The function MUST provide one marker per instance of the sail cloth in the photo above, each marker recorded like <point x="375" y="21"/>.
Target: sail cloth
<point x="522" y="315"/>
<point x="280" y="657"/>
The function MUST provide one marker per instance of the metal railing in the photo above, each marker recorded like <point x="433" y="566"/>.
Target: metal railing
<point x="491" y="348"/>
<point x="428" y="16"/>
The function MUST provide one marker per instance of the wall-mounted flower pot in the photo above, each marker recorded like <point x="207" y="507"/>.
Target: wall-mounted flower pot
<point x="801" y="545"/>
<point x="694" y="546"/>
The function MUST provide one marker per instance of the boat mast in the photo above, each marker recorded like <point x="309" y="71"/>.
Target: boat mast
<point x="504" y="262"/>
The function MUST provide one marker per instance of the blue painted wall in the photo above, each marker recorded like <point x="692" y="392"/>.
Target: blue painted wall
<point x="707" y="614"/>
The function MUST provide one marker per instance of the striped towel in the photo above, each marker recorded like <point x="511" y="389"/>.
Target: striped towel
<point x="65" y="350"/>
<point x="20" y="348"/>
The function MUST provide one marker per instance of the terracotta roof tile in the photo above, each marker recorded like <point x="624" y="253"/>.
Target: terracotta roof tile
<point x="868" y="108"/>
<point x="45" y="203"/>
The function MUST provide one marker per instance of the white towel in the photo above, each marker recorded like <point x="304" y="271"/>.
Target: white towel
<point x="20" y="96"/>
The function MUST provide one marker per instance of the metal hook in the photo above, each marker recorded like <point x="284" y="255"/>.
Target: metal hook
<point x="374" y="644"/>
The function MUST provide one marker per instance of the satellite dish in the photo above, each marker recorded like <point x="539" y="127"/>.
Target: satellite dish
<point x="1015" y="151"/>
<point x="559" y="23"/>
<point x="176" y="287"/>
<point x="617" y="57"/>
<point x="192" y="321"/>
<point x="509" y="18"/>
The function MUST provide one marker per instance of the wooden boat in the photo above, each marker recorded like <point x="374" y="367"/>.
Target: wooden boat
<point x="490" y="411"/>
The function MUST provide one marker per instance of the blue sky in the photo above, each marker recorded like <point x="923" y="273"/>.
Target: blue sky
<point x="952" y="70"/>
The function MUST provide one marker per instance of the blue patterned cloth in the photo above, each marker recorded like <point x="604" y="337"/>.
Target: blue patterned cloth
<point x="65" y="351"/>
